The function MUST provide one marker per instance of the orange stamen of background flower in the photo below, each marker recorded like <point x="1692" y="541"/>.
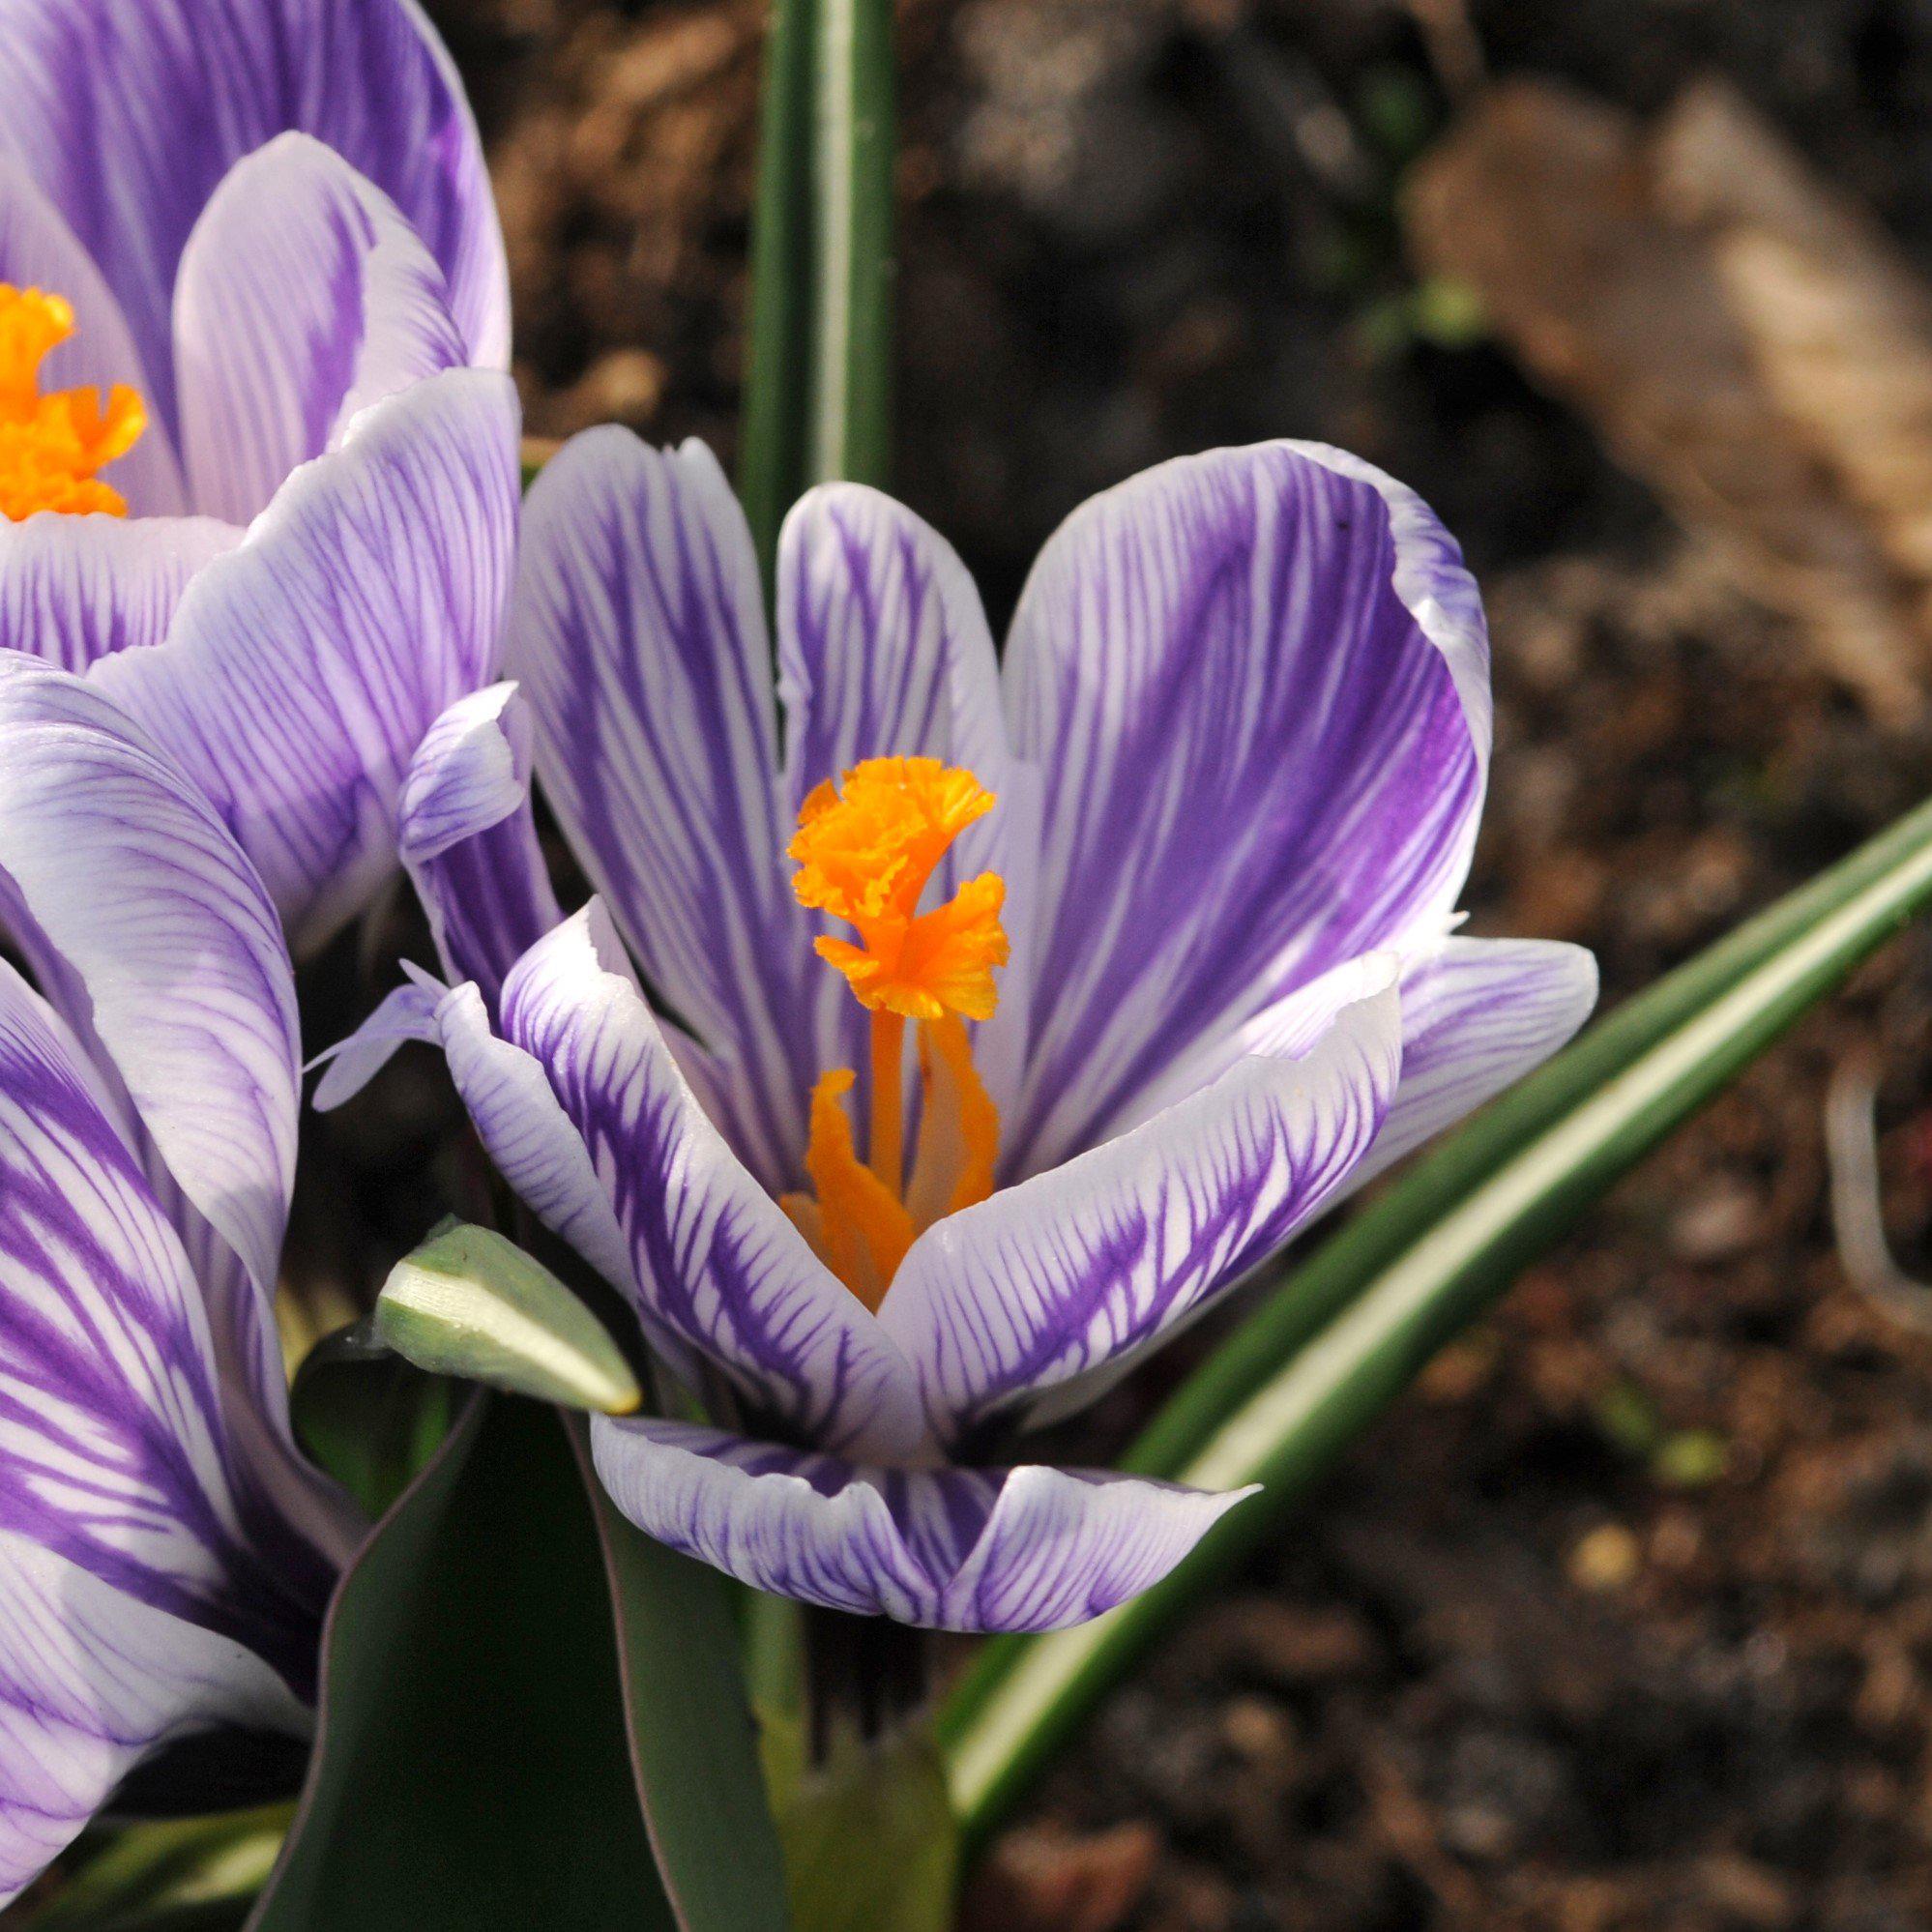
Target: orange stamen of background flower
<point x="52" y="445"/>
<point x="866" y="850"/>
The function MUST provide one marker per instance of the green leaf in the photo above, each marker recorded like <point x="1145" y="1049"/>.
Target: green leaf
<point x="693" y="1742"/>
<point x="818" y="391"/>
<point x="472" y="1767"/>
<point x="1330" y="1350"/>
<point x="169" y="1877"/>
<point x="469" y="1302"/>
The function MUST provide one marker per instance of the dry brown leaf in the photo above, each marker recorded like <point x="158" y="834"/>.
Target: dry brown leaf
<point x="1741" y="338"/>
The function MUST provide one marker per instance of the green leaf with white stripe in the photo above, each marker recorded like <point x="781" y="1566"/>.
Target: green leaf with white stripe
<point x="470" y="1303"/>
<point x="818" y="391"/>
<point x="1345" y="1332"/>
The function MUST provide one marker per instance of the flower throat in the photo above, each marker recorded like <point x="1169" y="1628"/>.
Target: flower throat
<point x="866" y="849"/>
<point x="52" y="445"/>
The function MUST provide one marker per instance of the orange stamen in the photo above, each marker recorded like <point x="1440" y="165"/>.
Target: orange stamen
<point x="888" y="1103"/>
<point x="851" y="1216"/>
<point x="866" y="850"/>
<point x="866" y="853"/>
<point x="51" y="446"/>
<point x="960" y="1127"/>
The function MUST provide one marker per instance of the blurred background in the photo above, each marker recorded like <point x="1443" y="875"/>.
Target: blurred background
<point x="1625" y="1621"/>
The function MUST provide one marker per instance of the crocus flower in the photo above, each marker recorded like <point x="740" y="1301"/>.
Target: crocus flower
<point x="253" y="322"/>
<point x="164" y="1554"/>
<point x="999" y="1025"/>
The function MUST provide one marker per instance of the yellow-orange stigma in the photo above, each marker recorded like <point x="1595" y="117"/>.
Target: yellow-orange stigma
<point x="866" y="850"/>
<point x="53" y="447"/>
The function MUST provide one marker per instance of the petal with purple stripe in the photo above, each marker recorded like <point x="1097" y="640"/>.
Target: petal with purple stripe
<point x="1031" y="1548"/>
<point x="713" y="1257"/>
<point x="469" y="842"/>
<point x="1052" y="1287"/>
<point x="76" y="589"/>
<point x="92" y="1680"/>
<point x="115" y="1446"/>
<point x="305" y="296"/>
<point x="1255" y="682"/>
<point x="883" y="652"/>
<point x="128" y="115"/>
<point x="1477" y="1016"/>
<point x="639" y="634"/>
<point x="303" y="669"/>
<point x="132" y="881"/>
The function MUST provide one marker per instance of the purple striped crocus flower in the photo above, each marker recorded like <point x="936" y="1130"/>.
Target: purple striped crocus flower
<point x="166" y="1555"/>
<point x="1002" y="1017"/>
<point x="253" y="414"/>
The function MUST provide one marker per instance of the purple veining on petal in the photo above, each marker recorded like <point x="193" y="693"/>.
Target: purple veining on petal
<point x="1477" y="1016"/>
<point x="115" y="1445"/>
<point x="303" y="297"/>
<point x="130" y="879"/>
<point x="76" y="589"/>
<point x="469" y="842"/>
<point x="128" y="115"/>
<point x="638" y="634"/>
<point x="149" y="928"/>
<point x="715" y="1258"/>
<point x="302" y="669"/>
<point x="1054" y="1285"/>
<point x="92" y="1681"/>
<point x="1258" y="765"/>
<point x="1030" y="1548"/>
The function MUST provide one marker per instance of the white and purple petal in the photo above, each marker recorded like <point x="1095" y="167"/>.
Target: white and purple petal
<point x="404" y="1016"/>
<point x="130" y="881"/>
<point x="76" y="589"/>
<point x="302" y="669"/>
<point x="1255" y="683"/>
<point x="713" y="1258"/>
<point x="303" y="297"/>
<point x="128" y="115"/>
<point x="1477" y="1016"/>
<point x="638" y="634"/>
<point x="93" y="1680"/>
<point x="1051" y="1288"/>
<point x="468" y="841"/>
<point x="1031" y="1548"/>
<point x="116" y="1446"/>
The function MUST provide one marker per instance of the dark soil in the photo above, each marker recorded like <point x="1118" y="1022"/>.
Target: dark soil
<point x="1625" y="1619"/>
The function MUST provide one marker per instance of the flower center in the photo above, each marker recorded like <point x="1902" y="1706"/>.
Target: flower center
<point x="866" y="849"/>
<point x="50" y="446"/>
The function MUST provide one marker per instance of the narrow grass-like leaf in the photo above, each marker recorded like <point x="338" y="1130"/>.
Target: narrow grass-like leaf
<point x="818" y="390"/>
<point x="1347" y="1331"/>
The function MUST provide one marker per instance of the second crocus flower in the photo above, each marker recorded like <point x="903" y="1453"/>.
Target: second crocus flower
<point x="257" y="451"/>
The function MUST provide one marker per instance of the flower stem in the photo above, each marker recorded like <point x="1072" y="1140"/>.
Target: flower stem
<point x="866" y="1676"/>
